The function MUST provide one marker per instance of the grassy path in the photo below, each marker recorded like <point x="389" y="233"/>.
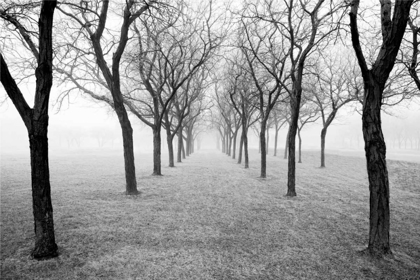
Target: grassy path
<point x="209" y="218"/>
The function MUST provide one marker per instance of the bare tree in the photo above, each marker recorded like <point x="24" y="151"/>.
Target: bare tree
<point x="305" y="26"/>
<point x="243" y="99"/>
<point x="413" y="65"/>
<point x="335" y="84"/>
<point x="375" y="79"/>
<point x="36" y="118"/>
<point x="168" y="56"/>
<point x="308" y="114"/>
<point x="266" y="54"/>
<point x="99" y="67"/>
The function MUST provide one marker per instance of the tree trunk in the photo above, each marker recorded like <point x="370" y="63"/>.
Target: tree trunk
<point x="130" y="169"/>
<point x="287" y="143"/>
<point x="375" y="151"/>
<point x="300" y="147"/>
<point x="170" y="150"/>
<point x="276" y="136"/>
<point x="241" y="146"/>
<point x="263" y="151"/>
<point x="156" y="151"/>
<point x="323" y="135"/>
<point x="227" y="142"/>
<point x="234" y="144"/>
<point x="291" y="173"/>
<point x="246" y="149"/>
<point x="45" y="245"/>
<point x="183" y="149"/>
<point x="268" y="140"/>
<point x="36" y="122"/>
<point x="179" y="145"/>
<point x="230" y="144"/>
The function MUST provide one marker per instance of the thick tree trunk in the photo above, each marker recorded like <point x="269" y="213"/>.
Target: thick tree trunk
<point x="323" y="135"/>
<point x="128" y="146"/>
<point x="156" y="151"/>
<point x="170" y="150"/>
<point x="45" y="246"/>
<point x="183" y="149"/>
<point x="291" y="173"/>
<point x="36" y="122"/>
<point x="179" y="154"/>
<point x="276" y="137"/>
<point x="263" y="151"/>
<point x="241" y="146"/>
<point x="375" y="150"/>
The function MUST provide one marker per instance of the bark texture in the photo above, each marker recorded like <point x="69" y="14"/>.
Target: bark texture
<point x="375" y="150"/>
<point x="36" y="122"/>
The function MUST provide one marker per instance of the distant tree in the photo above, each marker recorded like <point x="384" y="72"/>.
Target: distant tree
<point x="266" y="54"/>
<point x="168" y="56"/>
<point x="243" y="99"/>
<point x="36" y="118"/>
<point x="280" y="117"/>
<point x="305" y="26"/>
<point x="375" y="80"/>
<point x="308" y="114"/>
<point x="335" y="84"/>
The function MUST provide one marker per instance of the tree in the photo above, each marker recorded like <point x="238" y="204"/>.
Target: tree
<point x="308" y="114"/>
<point x="167" y="57"/>
<point x="266" y="55"/>
<point x="280" y="118"/>
<point x="413" y="65"/>
<point x="97" y="65"/>
<point x="336" y="83"/>
<point x="305" y="26"/>
<point x="374" y="80"/>
<point x="36" y="119"/>
<point x="242" y="98"/>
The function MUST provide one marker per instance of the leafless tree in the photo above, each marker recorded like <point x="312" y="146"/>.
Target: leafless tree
<point x="90" y="47"/>
<point x="168" y="56"/>
<point x="36" y="118"/>
<point x="266" y="54"/>
<point x="393" y="25"/>
<point x="335" y="83"/>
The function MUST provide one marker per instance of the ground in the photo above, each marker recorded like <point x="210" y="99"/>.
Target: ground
<point x="208" y="218"/>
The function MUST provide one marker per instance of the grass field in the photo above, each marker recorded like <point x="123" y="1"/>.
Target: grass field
<point x="208" y="218"/>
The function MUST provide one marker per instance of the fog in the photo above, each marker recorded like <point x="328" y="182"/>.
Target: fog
<point x="88" y="125"/>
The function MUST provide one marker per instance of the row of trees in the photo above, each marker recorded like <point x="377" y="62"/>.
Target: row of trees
<point x="164" y="56"/>
<point x="154" y="67"/>
<point x="288" y="65"/>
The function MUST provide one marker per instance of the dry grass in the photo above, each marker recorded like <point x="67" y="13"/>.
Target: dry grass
<point x="208" y="218"/>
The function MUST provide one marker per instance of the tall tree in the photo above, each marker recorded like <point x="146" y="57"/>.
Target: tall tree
<point x="266" y="54"/>
<point x="393" y="25"/>
<point x="91" y="18"/>
<point x="36" y="121"/>
<point x="168" y="56"/>
<point x="305" y="26"/>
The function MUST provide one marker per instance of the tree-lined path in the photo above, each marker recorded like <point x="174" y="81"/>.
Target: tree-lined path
<point x="208" y="218"/>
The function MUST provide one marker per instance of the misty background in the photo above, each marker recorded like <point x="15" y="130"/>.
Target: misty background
<point x="83" y="124"/>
